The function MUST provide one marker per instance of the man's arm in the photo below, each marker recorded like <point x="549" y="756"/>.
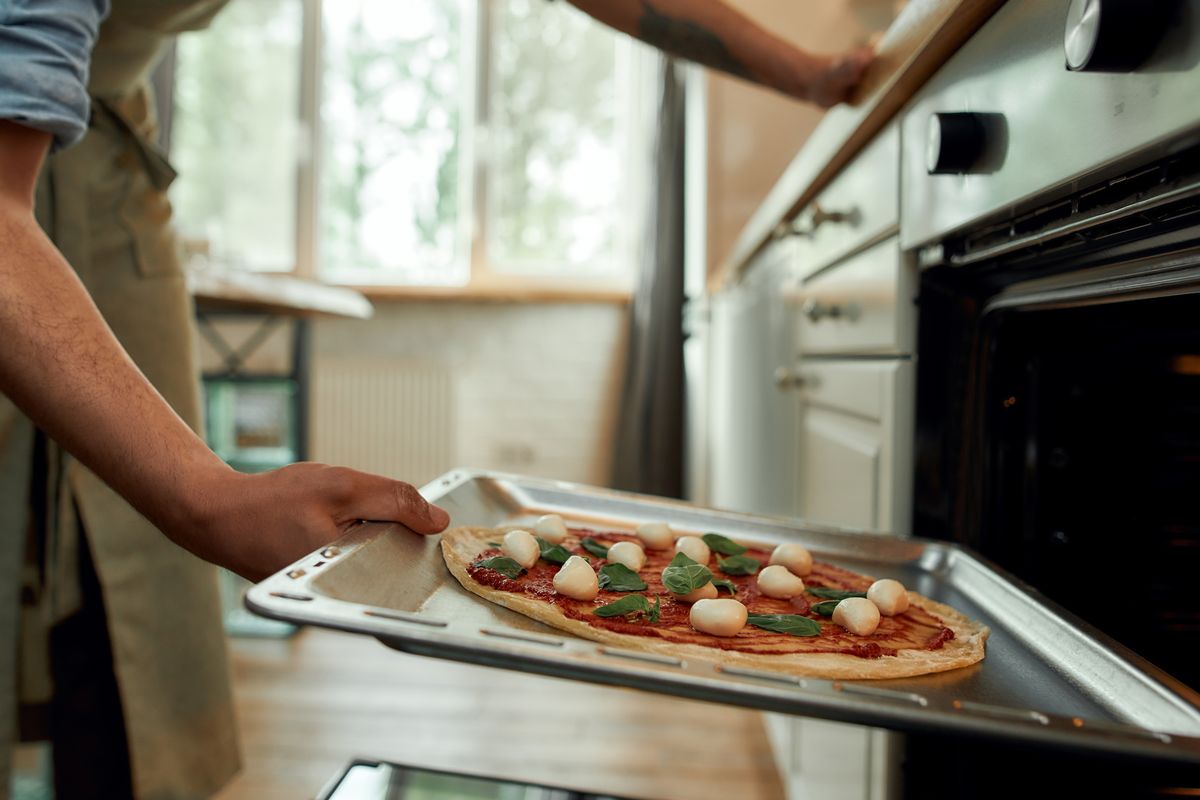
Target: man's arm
<point x="61" y="364"/>
<point x="715" y="35"/>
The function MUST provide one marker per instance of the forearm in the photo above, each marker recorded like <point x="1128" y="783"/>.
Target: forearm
<point x="63" y="367"/>
<point x="713" y="34"/>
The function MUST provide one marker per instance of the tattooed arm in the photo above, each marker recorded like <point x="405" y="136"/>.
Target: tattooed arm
<point x="715" y="35"/>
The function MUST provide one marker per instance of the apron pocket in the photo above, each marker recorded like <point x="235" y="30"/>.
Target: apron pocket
<point x="146" y="213"/>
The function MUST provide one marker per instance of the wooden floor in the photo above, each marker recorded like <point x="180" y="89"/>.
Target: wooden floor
<point x="310" y="704"/>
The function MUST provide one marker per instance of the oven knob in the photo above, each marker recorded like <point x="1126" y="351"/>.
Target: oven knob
<point x="955" y="142"/>
<point x="1113" y="35"/>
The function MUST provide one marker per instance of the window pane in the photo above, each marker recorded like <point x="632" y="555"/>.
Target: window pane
<point x="391" y="109"/>
<point x="234" y="135"/>
<point x="555" y="172"/>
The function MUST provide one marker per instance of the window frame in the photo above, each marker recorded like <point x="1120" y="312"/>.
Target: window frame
<point x="485" y="280"/>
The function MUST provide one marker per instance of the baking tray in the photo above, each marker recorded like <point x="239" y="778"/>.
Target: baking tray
<point x="1048" y="677"/>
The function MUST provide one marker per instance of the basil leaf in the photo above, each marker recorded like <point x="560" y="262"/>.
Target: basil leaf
<point x="739" y="565"/>
<point x="594" y="547"/>
<point x="554" y="553"/>
<point x="792" y="624"/>
<point x="656" y="609"/>
<point x="719" y="544"/>
<point x="620" y="578"/>
<point x="684" y="575"/>
<point x="633" y="604"/>
<point x="723" y="583"/>
<point x="825" y="607"/>
<point x="495" y="544"/>
<point x="833" y="594"/>
<point x="502" y="564"/>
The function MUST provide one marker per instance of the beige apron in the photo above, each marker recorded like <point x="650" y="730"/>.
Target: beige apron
<point x="103" y="203"/>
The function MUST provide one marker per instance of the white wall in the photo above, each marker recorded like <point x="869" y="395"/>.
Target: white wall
<point x="535" y="386"/>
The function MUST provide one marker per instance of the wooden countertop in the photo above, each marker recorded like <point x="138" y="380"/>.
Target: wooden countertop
<point x="274" y="294"/>
<point x="921" y="39"/>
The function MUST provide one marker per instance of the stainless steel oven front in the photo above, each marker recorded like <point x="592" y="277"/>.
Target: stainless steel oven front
<point x="1051" y="195"/>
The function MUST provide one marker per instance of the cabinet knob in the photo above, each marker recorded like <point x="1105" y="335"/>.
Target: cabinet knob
<point x="816" y="311"/>
<point x="788" y="379"/>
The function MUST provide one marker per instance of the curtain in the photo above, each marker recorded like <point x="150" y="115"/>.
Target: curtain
<point x="649" y="448"/>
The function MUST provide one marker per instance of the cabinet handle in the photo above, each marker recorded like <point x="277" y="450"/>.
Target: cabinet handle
<point x="816" y="311"/>
<point x="816" y="219"/>
<point x="789" y="379"/>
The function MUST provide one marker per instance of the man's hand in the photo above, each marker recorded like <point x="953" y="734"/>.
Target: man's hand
<point x="258" y="524"/>
<point x="61" y="364"/>
<point x="829" y="80"/>
<point x="715" y="35"/>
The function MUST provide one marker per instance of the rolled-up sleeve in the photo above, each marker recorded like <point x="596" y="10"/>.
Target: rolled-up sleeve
<point x="45" y="46"/>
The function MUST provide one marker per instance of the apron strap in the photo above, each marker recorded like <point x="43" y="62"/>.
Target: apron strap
<point x="158" y="168"/>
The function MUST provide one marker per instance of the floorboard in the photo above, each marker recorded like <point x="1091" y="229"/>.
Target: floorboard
<point x="310" y="704"/>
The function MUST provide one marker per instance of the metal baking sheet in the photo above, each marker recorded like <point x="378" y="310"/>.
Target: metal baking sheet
<point x="1048" y="677"/>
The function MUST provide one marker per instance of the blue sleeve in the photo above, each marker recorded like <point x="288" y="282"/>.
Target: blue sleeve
<point x="45" y="47"/>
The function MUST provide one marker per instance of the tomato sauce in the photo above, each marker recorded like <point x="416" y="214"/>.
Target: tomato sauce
<point x="916" y="629"/>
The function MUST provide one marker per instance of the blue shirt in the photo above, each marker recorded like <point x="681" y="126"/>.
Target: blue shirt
<point x="45" y="46"/>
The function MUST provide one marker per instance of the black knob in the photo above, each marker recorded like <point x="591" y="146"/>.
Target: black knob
<point x="956" y="142"/>
<point x="1114" y="35"/>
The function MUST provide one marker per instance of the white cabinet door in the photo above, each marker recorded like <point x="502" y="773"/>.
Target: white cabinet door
<point x="752" y="423"/>
<point x="855" y="443"/>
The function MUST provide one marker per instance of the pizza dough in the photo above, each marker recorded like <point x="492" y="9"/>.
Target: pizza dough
<point x="949" y="640"/>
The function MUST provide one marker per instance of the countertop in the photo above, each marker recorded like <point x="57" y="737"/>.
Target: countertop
<point x="286" y="295"/>
<point x="923" y="37"/>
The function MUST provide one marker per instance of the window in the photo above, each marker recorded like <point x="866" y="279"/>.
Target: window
<point x="236" y="141"/>
<point x="456" y="141"/>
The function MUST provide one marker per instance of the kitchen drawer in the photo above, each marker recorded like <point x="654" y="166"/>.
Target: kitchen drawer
<point x="855" y="443"/>
<point x="859" y="206"/>
<point x="865" y="305"/>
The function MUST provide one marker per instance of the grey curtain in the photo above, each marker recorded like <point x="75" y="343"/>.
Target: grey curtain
<point x="649" y="453"/>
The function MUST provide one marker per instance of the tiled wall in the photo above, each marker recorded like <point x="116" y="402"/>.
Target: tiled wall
<point x="535" y="385"/>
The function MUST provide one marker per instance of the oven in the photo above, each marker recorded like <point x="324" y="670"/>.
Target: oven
<point x="1051" y="198"/>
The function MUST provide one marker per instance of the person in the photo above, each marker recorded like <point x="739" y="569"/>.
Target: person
<point x="112" y="508"/>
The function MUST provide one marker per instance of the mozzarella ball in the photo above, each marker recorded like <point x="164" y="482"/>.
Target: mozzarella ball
<point x="723" y="617"/>
<point x="694" y="548"/>
<point x="706" y="592"/>
<point x="889" y="596"/>
<point x="777" y="581"/>
<point x="630" y="554"/>
<point x="656" y="535"/>
<point x="577" y="580"/>
<point x="857" y="615"/>
<point x="551" y="528"/>
<point x="522" y="548"/>
<point x="793" y="556"/>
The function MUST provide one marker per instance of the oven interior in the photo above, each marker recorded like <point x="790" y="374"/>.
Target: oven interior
<point x="1058" y="434"/>
<point x="1090" y="456"/>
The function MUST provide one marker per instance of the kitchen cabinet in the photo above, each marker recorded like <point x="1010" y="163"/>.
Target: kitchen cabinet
<point x="860" y="206"/>
<point x="811" y="411"/>
<point x="854" y="443"/>
<point x="752" y="412"/>
<point x="860" y="306"/>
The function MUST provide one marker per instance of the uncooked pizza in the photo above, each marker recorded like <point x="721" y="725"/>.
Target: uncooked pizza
<point x="710" y="596"/>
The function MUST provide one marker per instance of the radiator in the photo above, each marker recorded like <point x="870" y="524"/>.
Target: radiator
<point x="390" y="417"/>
